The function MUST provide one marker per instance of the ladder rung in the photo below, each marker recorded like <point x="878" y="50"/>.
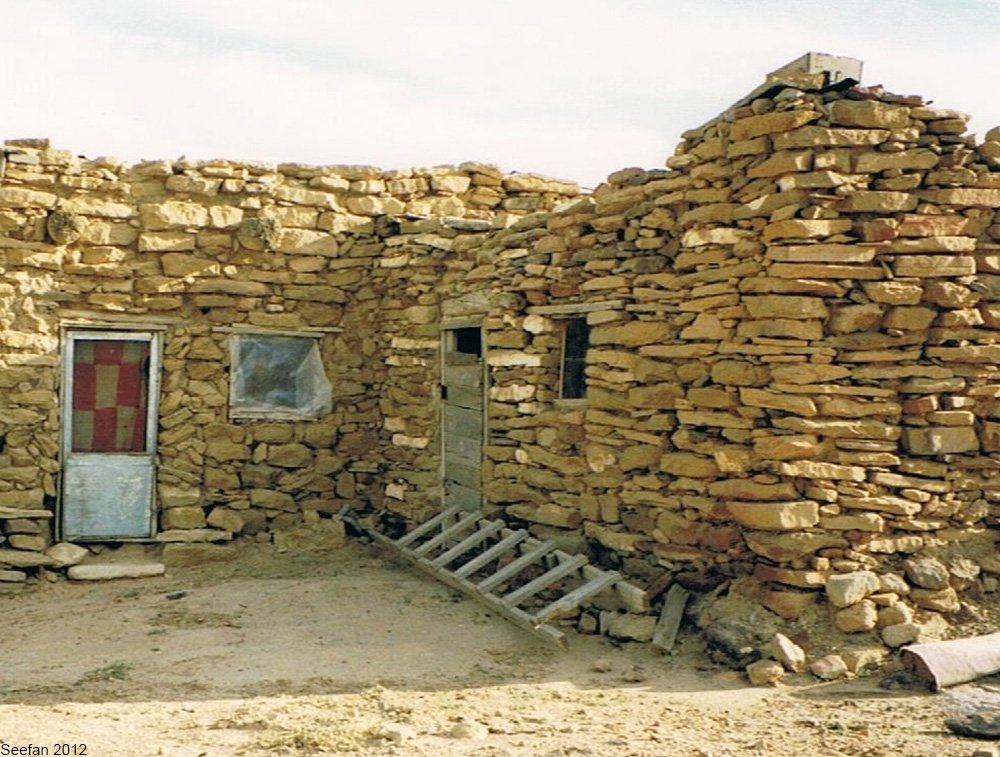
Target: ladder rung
<point x="448" y="533"/>
<point x="511" y="570"/>
<point x="478" y="537"/>
<point x="500" y="548"/>
<point x="576" y="597"/>
<point x="426" y="527"/>
<point x="531" y="588"/>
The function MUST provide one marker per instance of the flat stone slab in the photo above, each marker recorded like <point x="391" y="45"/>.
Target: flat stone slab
<point x="110" y="571"/>
<point x="193" y="535"/>
<point x="11" y="513"/>
<point x="65" y="553"/>
<point x="13" y="576"/>
<point x="22" y="558"/>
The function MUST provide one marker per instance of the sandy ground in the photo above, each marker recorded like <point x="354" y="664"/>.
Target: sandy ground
<point x="350" y="652"/>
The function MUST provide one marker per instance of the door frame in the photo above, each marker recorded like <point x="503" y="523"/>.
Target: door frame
<point x="69" y="336"/>
<point x="448" y="327"/>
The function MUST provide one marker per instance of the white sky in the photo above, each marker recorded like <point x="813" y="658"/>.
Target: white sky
<point x="570" y="88"/>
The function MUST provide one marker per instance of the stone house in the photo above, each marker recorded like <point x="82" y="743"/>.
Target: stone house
<point x="772" y="360"/>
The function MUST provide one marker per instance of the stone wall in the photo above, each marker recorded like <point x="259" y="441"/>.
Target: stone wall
<point x="791" y="380"/>
<point x="792" y="374"/>
<point x="352" y="254"/>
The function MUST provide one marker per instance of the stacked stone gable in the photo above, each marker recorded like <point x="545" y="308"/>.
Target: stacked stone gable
<point x="791" y="377"/>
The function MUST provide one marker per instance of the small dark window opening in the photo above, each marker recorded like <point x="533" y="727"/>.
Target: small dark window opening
<point x="469" y="341"/>
<point x="576" y="340"/>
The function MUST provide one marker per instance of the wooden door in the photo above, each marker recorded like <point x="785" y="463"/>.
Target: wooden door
<point x="463" y="416"/>
<point x="110" y="390"/>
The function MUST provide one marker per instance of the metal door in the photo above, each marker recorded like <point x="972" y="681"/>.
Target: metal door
<point x="109" y="401"/>
<point x="462" y="410"/>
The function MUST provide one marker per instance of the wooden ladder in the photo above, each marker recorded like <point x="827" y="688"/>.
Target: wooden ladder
<point x="488" y="560"/>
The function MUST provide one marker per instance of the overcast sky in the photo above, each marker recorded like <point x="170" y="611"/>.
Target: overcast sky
<point x="569" y="88"/>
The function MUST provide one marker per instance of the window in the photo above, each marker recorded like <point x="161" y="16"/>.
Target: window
<point x="467" y="341"/>
<point x="575" y="341"/>
<point x="277" y="377"/>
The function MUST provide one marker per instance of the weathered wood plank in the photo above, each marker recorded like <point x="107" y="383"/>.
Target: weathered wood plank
<point x="509" y="571"/>
<point x="463" y="375"/>
<point x="427" y="526"/>
<point x="469" y="542"/>
<point x="495" y="552"/>
<point x="530" y="589"/>
<point x="463" y="396"/>
<point x="465" y="475"/>
<point x="451" y="532"/>
<point x="468" y="449"/>
<point x="568" y="603"/>
<point x="463" y="422"/>
<point x="462" y="497"/>
<point x="665" y="633"/>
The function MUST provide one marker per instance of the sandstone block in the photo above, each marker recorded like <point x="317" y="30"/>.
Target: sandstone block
<point x="829" y="668"/>
<point x="770" y="123"/>
<point x="172" y="214"/>
<point x="748" y="489"/>
<point x="765" y="673"/>
<point x="869" y="114"/>
<point x="787" y="447"/>
<point x="182" y="517"/>
<point x="818" y="470"/>
<point x="938" y="600"/>
<point x="894" y="615"/>
<point x="878" y="202"/>
<point x="112" y="571"/>
<point x="907" y="160"/>
<point x="740" y="373"/>
<point x="804" y="579"/>
<point x="860" y="617"/>
<point x="788" y="653"/>
<point x="845" y="589"/>
<point x="787" y="604"/>
<point x="926" y="572"/>
<point x="864" y="659"/>
<point x="66" y="554"/>
<point x="940" y="440"/>
<point x="292" y="455"/>
<point x="775" y="516"/>
<point x="689" y="465"/>
<point x="628" y="626"/>
<point x="272" y="500"/>
<point x="226" y="519"/>
<point x="805" y="229"/>
<point x="900" y="634"/>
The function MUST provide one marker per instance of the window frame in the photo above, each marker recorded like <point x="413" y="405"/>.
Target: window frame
<point x="565" y="361"/>
<point x="237" y="412"/>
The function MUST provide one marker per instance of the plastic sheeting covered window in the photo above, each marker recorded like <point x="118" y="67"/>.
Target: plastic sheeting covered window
<point x="277" y="377"/>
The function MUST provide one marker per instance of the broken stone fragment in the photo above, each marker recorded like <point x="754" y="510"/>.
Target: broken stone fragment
<point x="900" y="634"/>
<point x="258" y="233"/>
<point x="829" y="668"/>
<point x="788" y="653"/>
<point x="926" y="572"/>
<point x="858" y="618"/>
<point x="847" y="588"/>
<point x="765" y="673"/>
<point x="66" y="554"/>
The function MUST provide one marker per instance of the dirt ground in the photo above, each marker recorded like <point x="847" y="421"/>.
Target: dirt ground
<point x="350" y="652"/>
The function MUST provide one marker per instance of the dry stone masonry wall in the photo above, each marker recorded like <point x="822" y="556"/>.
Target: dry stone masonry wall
<point x="791" y="380"/>
<point x="792" y="375"/>
<point x="352" y="254"/>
